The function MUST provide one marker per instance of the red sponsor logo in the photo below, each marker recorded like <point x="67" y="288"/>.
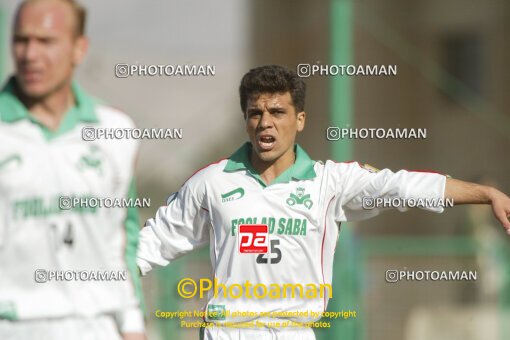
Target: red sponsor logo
<point x="253" y="238"/>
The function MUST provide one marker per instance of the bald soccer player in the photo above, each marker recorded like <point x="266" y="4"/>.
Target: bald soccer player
<point x="65" y="274"/>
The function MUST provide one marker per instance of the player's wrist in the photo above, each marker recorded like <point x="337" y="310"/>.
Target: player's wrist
<point x="134" y="336"/>
<point x="491" y="194"/>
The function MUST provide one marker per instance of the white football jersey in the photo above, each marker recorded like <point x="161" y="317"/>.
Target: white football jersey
<point x="302" y="209"/>
<point x="37" y="167"/>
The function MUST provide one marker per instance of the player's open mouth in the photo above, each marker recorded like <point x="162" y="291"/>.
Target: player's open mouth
<point x="266" y="142"/>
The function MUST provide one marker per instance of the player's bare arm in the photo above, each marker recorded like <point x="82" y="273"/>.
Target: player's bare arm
<point x="133" y="336"/>
<point x="470" y="193"/>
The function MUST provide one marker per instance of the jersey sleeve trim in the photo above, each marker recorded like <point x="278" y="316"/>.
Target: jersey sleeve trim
<point x="322" y="248"/>
<point x="204" y="167"/>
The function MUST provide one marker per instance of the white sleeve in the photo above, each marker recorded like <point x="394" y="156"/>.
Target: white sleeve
<point x="356" y="183"/>
<point x="178" y="228"/>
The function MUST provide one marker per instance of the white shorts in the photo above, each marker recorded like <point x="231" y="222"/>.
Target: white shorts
<point x="230" y="333"/>
<point x="97" y="328"/>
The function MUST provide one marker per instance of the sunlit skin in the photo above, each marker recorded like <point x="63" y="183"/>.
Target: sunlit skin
<point x="272" y="124"/>
<point x="46" y="50"/>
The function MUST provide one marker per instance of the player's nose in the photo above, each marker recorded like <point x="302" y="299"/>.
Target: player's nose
<point x="30" y="51"/>
<point x="266" y="120"/>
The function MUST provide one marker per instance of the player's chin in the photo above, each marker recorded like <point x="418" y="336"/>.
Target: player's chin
<point x="34" y="90"/>
<point x="267" y="156"/>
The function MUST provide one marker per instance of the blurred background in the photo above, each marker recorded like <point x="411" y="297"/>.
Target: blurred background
<point x="453" y="79"/>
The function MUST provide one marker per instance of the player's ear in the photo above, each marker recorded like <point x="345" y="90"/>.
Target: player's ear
<point x="301" y="117"/>
<point x="81" y="46"/>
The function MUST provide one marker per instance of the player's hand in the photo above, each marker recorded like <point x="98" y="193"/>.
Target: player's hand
<point x="501" y="208"/>
<point x="133" y="336"/>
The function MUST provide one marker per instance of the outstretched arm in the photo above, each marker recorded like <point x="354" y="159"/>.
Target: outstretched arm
<point x="470" y="193"/>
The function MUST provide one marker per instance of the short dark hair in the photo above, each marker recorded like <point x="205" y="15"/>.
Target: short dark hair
<point x="80" y="14"/>
<point x="272" y="79"/>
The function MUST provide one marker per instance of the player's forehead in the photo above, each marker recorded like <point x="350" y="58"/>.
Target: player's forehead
<point x="267" y="100"/>
<point x="44" y="18"/>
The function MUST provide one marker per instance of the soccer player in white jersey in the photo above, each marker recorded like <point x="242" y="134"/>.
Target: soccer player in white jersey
<point x="271" y="215"/>
<point x="43" y="157"/>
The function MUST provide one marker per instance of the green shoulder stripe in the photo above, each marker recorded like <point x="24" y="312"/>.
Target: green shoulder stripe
<point x="132" y="226"/>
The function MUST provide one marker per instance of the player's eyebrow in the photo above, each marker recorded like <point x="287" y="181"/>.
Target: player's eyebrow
<point x="276" y="108"/>
<point x="19" y="36"/>
<point x="253" y="110"/>
<point x="271" y="109"/>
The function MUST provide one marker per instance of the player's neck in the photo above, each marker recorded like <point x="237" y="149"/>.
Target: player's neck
<point x="50" y="109"/>
<point x="269" y="171"/>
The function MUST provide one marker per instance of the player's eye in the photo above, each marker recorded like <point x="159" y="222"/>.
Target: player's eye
<point x="277" y="112"/>
<point x="47" y="41"/>
<point x="19" y="40"/>
<point x="254" y="113"/>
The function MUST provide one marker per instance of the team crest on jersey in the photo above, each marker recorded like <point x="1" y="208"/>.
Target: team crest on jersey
<point x="91" y="160"/>
<point x="232" y="195"/>
<point x="12" y="161"/>
<point x="300" y="198"/>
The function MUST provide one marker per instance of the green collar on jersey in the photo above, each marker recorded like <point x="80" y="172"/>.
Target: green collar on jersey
<point x="300" y="170"/>
<point x="12" y="110"/>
